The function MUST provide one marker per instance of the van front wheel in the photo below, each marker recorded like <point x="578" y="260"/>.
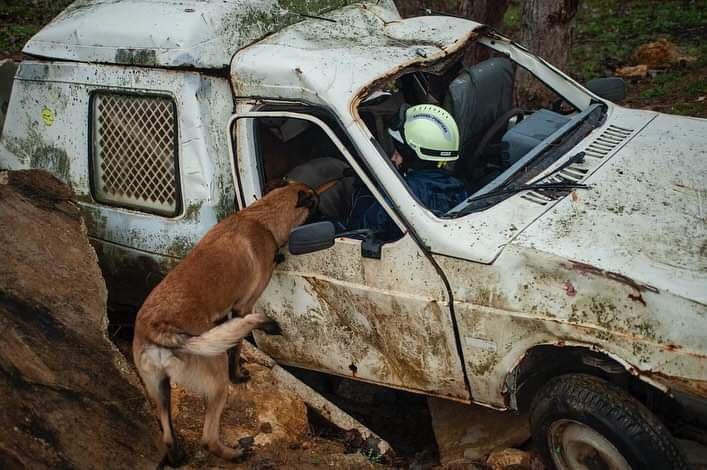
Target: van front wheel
<point x="581" y="421"/>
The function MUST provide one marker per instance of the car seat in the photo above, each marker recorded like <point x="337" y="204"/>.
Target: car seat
<point x="481" y="101"/>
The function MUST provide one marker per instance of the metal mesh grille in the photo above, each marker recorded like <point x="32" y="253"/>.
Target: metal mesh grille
<point x="134" y="152"/>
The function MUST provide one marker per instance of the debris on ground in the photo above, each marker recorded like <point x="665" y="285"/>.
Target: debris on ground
<point x="69" y="398"/>
<point x="513" y="459"/>
<point x="661" y="54"/>
<point x="370" y="442"/>
<point x="467" y="433"/>
<point x="653" y="57"/>
<point x="631" y="72"/>
<point x="272" y="420"/>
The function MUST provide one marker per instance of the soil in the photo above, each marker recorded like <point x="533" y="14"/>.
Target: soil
<point x="308" y="441"/>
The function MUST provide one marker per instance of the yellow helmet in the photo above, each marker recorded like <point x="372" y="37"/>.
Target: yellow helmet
<point x="430" y="131"/>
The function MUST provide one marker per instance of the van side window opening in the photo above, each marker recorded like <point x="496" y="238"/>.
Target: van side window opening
<point x="134" y="152"/>
<point x="297" y="150"/>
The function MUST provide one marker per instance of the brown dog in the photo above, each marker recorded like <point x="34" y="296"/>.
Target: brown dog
<point x="177" y="335"/>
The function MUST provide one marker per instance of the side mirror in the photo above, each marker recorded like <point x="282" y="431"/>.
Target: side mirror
<point x="311" y="237"/>
<point x="320" y="236"/>
<point x="610" y="88"/>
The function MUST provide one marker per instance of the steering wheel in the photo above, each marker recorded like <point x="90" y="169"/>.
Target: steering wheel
<point x="498" y="126"/>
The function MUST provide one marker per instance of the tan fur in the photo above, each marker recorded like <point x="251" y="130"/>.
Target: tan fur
<point x="177" y="338"/>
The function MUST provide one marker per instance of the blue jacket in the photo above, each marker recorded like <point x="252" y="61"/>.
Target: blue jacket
<point x="436" y="189"/>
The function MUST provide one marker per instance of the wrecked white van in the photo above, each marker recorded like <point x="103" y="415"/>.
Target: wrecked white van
<point x="572" y="282"/>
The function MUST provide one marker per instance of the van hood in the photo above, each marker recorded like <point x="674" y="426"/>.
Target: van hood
<point x="645" y="216"/>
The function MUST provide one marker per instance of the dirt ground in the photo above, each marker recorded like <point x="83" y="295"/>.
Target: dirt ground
<point x="286" y="434"/>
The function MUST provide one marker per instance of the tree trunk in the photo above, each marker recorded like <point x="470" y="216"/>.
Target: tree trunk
<point x="482" y="11"/>
<point x="546" y="30"/>
<point x="489" y="12"/>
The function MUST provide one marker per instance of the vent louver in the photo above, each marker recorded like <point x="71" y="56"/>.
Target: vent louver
<point x="611" y="138"/>
<point x="607" y="142"/>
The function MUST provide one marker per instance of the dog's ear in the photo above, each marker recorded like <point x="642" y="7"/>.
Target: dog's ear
<point x="327" y="186"/>
<point x="306" y="199"/>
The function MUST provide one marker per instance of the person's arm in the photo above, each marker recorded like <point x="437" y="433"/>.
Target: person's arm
<point x="378" y="220"/>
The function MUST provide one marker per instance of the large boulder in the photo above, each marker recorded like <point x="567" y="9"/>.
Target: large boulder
<point x="68" y="398"/>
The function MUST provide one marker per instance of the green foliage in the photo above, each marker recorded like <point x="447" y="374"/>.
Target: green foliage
<point x="511" y="20"/>
<point x="21" y="19"/>
<point x="606" y="37"/>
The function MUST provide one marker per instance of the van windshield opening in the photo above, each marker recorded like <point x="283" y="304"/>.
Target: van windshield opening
<point x="507" y="135"/>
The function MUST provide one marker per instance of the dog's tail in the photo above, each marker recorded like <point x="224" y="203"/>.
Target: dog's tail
<point x="219" y="339"/>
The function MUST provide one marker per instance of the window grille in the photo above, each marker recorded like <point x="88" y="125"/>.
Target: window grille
<point x="134" y="154"/>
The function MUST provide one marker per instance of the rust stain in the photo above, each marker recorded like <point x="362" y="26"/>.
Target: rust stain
<point x="584" y="268"/>
<point x="694" y="387"/>
<point x="569" y="289"/>
<point x="637" y="298"/>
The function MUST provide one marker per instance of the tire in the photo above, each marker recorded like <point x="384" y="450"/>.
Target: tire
<point x="578" y="419"/>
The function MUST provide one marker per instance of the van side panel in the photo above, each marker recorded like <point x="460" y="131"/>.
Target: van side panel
<point x="49" y="127"/>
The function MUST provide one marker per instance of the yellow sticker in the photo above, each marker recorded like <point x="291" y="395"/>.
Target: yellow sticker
<point x="47" y="116"/>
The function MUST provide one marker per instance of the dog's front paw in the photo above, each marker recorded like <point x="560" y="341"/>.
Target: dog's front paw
<point x="271" y="328"/>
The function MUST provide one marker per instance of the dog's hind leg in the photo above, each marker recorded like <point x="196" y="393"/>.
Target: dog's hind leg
<point x="216" y="395"/>
<point x="157" y="385"/>
<point x="159" y="390"/>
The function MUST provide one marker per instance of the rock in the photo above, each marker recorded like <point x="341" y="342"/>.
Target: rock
<point x="513" y="459"/>
<point x="68" y="398"/>
<point x="467" y="433"/>
<point x="639" y="71"/>
<point x="660" y="54"/>
<point x="282" y="410"/>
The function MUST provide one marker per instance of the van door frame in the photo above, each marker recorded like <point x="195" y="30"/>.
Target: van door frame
<point x="378" y="194"/>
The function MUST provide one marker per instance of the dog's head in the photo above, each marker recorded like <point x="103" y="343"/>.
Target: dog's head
<point x="307" y="197"/>
<point x="289" y="204"/>
<point x="300" y="198"/>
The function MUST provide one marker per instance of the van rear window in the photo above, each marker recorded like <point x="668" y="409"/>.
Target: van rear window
<point x="134" y="152"/>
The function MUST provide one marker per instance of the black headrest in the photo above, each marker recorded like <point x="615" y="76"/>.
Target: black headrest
<point x="479" y="95"/>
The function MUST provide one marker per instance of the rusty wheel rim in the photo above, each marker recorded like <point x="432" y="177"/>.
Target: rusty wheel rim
<point x="576" y="446"/>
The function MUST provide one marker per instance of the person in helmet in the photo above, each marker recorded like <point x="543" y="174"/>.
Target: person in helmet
<point x="426" y="139"/>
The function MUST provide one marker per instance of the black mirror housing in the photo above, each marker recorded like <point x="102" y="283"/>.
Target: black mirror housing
<point x="311" y="237"/>
<point x="609" y="88"/>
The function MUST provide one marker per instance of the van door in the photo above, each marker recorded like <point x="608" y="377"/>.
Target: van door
<point x="387" y="320"/>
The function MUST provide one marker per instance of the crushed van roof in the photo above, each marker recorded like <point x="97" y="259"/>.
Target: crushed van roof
<point x="329" y="61"/>
<point x="164" y="33"/>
